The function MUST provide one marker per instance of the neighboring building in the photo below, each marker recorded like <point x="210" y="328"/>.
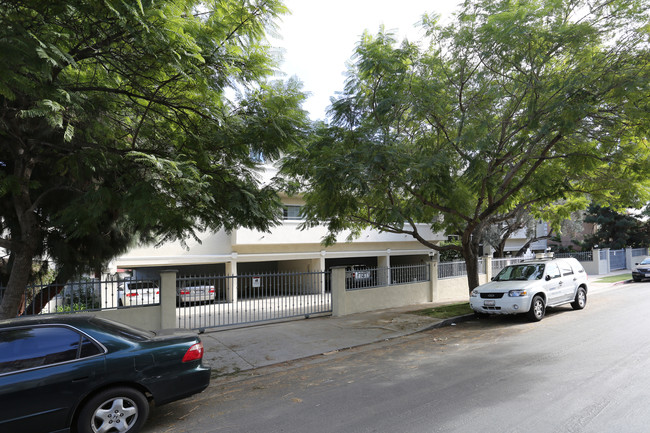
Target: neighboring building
<point x="284" y="249"/>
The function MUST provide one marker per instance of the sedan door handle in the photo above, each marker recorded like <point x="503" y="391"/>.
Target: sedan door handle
<point x="80" y="379"/>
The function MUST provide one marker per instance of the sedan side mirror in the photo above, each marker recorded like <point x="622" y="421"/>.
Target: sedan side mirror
<point x="548" y="278"/>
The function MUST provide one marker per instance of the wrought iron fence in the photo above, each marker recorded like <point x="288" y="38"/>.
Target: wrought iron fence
<point x="457" y="269"/>
<point x="226" y="300"/>
<point x="582" y="256"/>
<point x="410" y="273"/>
<point x="366" y="278"/>
<point x="498" y="264"/>
<point x="88" y="295"/>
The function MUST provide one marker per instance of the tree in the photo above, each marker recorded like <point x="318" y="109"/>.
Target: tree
<point x="616" y="230"/>
<point x="116" y="125"/>
<point x="523" y="220"/>
<point x="515" y="105"/>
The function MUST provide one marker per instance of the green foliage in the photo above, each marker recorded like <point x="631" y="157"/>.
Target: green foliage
<point x="70" y="308"/>
<point x="514" y="106"/>
<point x="115" y="125"/>
<point x="615" y="230"/>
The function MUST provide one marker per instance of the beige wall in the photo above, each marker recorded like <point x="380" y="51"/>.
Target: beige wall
<point x="153" y="317"/>
<point x="399" y="295"/>
<point x="381" y="298"/>
<point x="141" y="317"/>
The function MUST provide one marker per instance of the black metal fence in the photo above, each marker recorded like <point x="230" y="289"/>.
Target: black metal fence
<point x="88" y="295"/>
<point x="365" y="278"/>
<point x="241" y="299"/>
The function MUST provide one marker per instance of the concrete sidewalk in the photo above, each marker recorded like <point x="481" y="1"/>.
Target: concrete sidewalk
<point x="233" y="350"/>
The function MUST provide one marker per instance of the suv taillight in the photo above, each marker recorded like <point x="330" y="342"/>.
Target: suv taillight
<point x="194" y="353"/>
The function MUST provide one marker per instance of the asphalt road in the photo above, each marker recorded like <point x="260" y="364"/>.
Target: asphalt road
<point x="576" y="371"/>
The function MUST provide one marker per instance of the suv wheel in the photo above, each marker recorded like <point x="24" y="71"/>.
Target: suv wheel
<point x="580" y="300"/>
<point x="537" y="309"/>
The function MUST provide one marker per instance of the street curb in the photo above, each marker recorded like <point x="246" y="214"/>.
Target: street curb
<point x="449" y="322"/>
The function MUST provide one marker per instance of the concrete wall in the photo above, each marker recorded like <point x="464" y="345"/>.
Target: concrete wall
<point x="381" y="298"/>
<point x="398" y="295"/>
<point x="152" y="317"/>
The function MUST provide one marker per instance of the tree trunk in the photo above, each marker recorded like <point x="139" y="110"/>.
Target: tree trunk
<point x="23" y="247"/>
<point x="18" y="279"/>
<point x="470" y="254"/>
<point x="42" y="298"/>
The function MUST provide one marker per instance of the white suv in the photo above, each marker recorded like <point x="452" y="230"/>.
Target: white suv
<point x="531" y="286"/>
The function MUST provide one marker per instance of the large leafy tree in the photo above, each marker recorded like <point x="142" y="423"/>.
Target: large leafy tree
<point x="514" y="105"/>
<point x="133" y="120"/>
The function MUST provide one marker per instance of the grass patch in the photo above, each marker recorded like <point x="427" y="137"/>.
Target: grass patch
<point x="446" y="311"/>
<point x="614" y="278"/>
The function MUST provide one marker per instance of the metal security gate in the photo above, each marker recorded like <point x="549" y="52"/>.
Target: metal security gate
<point x="244" y="299"/>
<point x="617" y="260"/>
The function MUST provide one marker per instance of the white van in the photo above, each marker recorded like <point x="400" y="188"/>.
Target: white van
<point x="531" y="286"/>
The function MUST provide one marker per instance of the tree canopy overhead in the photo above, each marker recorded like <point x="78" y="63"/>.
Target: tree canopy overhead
<point x="115" y="123"/>
<point x="513" y="106"/>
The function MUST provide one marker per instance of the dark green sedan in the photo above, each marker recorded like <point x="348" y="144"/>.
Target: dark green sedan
<point x="84" y="374"/>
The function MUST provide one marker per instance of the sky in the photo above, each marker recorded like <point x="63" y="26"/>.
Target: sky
<point x="319" y="37"/>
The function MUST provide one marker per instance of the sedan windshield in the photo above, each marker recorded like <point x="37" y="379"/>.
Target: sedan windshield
<point x="645" y="261"/>
<point x="521" y="272"/>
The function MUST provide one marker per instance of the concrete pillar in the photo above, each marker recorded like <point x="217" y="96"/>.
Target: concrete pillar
<point x="628" y="258"/>
<point x="433" y="276"/>
<point x="383" y="270"/>
<point x="322" y="268"/>
<point x="168" y="299"/>
<point x="231" y="287"/>
<point x="338" y="291"/>
<point x="487" y="261"/>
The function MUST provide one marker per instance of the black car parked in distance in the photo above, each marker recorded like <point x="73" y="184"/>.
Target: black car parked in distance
<point x="85" y="374"/>
<point x="641" y="271"/>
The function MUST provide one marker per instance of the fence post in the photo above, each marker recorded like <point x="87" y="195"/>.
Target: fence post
<point x="168" y="299"/>
<point x="487" y="262"/>
<point x="433" y="277"/>
<point x="232" y="289"/>
<point x="338" y="291"/>
<point x="383" y="270"/>
<point x="628" y="258"/>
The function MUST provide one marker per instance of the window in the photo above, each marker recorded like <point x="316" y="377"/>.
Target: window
<point x="521" y="272"/>
<point x="292" y="212"/>
<point x="25" y="348"/>
<point x="566" y="269"/>
<point x="553" y="270"/>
